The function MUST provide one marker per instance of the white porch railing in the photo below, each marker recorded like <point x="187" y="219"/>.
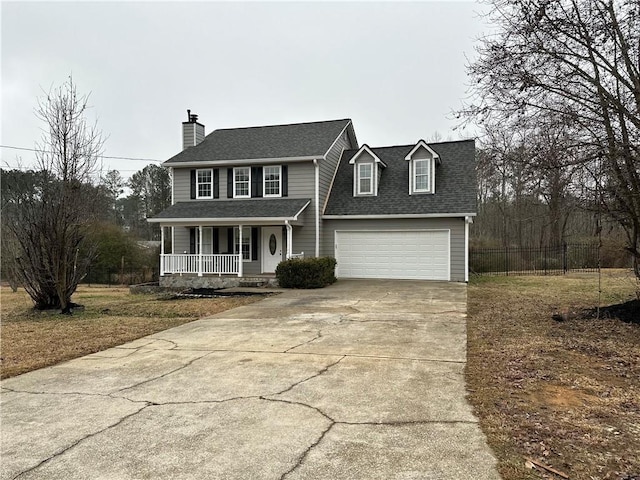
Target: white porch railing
<point x="217" y="264"/>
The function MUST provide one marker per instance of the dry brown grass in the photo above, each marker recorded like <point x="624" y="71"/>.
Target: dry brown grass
<point x="565" y="393"/>
<point x="112" y="316"/>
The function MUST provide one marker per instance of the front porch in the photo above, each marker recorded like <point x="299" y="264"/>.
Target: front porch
<point x="228" y="239"/>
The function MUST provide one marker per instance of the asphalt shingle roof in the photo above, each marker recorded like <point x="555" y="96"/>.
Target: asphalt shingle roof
<point x="250" y="208"/>
<point x="455" y="184"/>
<point x="275" y="141"/>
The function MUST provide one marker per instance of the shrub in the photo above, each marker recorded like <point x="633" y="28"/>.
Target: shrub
<point x="306" y="272"/>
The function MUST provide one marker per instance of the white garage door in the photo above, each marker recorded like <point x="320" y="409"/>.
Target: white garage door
<point x="402" y="254"/>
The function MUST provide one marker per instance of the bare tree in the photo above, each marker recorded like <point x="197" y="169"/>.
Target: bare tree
<point x="50" y="224"/>
<point x="579" y="62"/>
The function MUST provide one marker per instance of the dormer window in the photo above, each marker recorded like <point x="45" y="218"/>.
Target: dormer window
<point x="365" y="178"/>
<point x="367" y="168"/>
<point x="422" y="173"/>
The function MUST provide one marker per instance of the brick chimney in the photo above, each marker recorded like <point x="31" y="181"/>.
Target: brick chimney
<point x="192" y="131"/>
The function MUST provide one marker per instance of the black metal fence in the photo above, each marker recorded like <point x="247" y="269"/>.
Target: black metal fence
<point x="107" y="276"/>
<point x="556" y="260"/>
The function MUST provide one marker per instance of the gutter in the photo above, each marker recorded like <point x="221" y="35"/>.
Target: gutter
<point x="406" y="215"/>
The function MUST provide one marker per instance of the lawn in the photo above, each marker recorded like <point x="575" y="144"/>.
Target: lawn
<point x="30" y="339"/>
<point x="552" y="383"/>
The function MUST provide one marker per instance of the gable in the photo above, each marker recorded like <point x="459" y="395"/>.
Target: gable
<point x="422" y="151"/>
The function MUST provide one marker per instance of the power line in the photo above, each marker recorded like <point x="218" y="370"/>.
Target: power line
<point x="100" y="156"/>
<point x="25" y="168"/>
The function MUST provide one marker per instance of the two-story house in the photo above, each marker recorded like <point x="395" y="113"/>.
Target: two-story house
<point x="244" y="199"/>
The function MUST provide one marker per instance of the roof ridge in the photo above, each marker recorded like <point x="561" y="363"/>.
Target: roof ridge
<point x="408" y="145"/>
<point x="284" y="124"/>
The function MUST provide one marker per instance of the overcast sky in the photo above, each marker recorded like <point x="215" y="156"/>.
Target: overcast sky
<point x="396" y="69"/>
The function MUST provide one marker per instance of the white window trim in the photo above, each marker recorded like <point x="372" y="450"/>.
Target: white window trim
<point x="415" y="175"/>
<point x="264" y="181"/>
<point x="412" y="176"/>
<point x="198" y="183"/>
<point x="245" y="231"/>
<point x="371" y="179"/>
<point x="235" y="195"/>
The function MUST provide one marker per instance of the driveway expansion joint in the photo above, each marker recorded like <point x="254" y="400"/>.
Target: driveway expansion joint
<point x="182" y="367"/>
<point x="318" y="335"/>
<point x="83" y="394"/>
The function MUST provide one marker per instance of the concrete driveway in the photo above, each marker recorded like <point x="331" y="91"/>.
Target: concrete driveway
<point x="360" y="380"/>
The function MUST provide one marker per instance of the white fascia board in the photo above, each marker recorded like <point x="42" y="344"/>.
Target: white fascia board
<point x="365" y="148"/>
<point x="295" y="217"/>
<point x="240" y="162"/>
<point x="225" y="221"/>
<point x="406" y="215"/>
<point x="422" y="143"/>
<point x="336" y="140"/>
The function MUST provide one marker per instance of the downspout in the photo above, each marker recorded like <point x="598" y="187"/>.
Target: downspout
<point x="467" y="221"/>
<point x="289" y="239"/>
<point x="317" y="202"/>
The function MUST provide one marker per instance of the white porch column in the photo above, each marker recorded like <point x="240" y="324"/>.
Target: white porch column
<point x="240" y="262"/>
<point x="200" y="250"/>
<point x="289" y="239"/>
<point x="161" y="251"/>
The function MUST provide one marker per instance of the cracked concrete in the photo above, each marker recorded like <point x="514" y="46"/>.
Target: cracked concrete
<point x="361" y="380"/>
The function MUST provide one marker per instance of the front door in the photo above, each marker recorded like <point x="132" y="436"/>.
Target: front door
<point x="271" y="248"/>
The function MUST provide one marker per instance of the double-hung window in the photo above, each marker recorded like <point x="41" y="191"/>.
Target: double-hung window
<point x="204" y="183"/>
<point x="246" y="242"/>
<point x="365" y="178"/>
<point x="422" y="175"/>
<point x="242" y="182"/>
<point x="272" y="181"/>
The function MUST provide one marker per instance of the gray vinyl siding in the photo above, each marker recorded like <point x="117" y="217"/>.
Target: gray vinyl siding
<point x="302" y="185"/>
<point x="181" y="240"/>
<point x="327" y="170"/>
<point x="329" y="164"/>
<point x="455" y="225"/>
<point x="301" y="182"/>
<point x="188" y="135"/>
<point x="181" y="184"/>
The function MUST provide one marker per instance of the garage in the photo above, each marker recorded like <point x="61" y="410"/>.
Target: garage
<point x="399" y="254"/>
